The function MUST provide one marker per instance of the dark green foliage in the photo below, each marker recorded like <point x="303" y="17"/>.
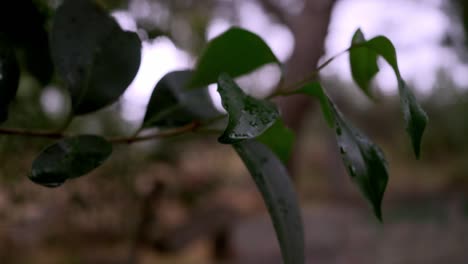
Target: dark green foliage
<point x="9" y="76"/>
<point x="24" y="24"/>
<point x="415" y="117"/>
<point x="96" y="59"/>
<point x="248" y="117"/>
<point x="274" y="184"/>
<point x="171" y="104"/>
<point x="69" y="158"/>
<point x="363" y="159"/>
<point x="280" y="140"/>
<point x="235" y="52"/>
<point x="363" y="63"/>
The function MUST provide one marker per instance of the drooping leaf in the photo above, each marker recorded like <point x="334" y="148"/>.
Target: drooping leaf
<point x="274" y="184"/>
<point x="314" y="89"/>
<point x="9" y="76"/>
<point x="415" y="117"/>
<point x="23" y="22"/>
<point x="171" y="104"/>
<point x="235" y="52"/>
<point x="93" y="55"/>
<point x="279" y="139"/>
<point x="69" y="158"/>
<point x="248" y="117"/>
<point x="364" y="161"/>
<point x="363" y="63"/>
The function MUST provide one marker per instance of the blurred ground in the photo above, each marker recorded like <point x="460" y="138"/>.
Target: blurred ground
<point x="98" y="218"/>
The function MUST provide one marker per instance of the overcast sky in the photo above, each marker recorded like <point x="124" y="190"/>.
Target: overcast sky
<point x="415" y="27"/>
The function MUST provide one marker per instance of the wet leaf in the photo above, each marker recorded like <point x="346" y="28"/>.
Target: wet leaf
<point x="235" y="52"/>
<point x="93" y="55"/>
<point x="9" y="76"/>
<point x="280" y="140"/>
<point x="248" y="117"/>
<point x="363" y="63"/>
<point x="363" y="159"/>
<point x="277" y="191"/>
<point x="171" y="104"/>
<point x="69" y="158"/>
<point x="415" y="117"/>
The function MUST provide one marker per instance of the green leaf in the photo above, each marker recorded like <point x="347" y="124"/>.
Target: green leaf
<point x="415" y="117"/>
<point x="171" y="104"/>
<point x="23" y="22"/>
<point x="9" y="77"/>
<point x="363" y="159"/>
<point x="315" y="89"/>
<point x="274" y="184"/>
<point x="248" y="117"/>
<point x="279" y="139"/>
<point x="235" y="52"/>
<point x="363" y="63"/>
<point x="69" y="158"/>
<point x="93" y="55"/>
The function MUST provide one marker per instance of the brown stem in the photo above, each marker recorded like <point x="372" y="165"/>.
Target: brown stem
<point x="161" y="134"/>
<point x="116" y="140"/>
<point x="29" y="133"/>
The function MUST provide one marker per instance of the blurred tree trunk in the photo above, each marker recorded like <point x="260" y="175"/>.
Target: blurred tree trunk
<point x="309" y="28"/>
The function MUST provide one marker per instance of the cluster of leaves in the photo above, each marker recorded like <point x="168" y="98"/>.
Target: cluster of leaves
<point x="97" y="60"/>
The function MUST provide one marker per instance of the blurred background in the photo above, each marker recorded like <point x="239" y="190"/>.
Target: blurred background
<point x="190" y="200"/>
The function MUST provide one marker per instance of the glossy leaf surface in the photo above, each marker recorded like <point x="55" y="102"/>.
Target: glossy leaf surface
<point x="69" y="158"/>
<point x="248" y="117"/>
<point x="171" y="104"/>
<point x="235" y="52"/>
<point x="277" y="191"/>
<point x="364" y="161"/>
<point x="93" y="55"/>
<point x="415" y="117"/>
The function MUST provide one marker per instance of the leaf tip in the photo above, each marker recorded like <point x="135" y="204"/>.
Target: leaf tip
<point x="378" y="213"/>
<point x="358" y="37"/>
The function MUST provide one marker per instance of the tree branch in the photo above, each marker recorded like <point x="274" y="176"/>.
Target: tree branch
<point x="161" y="134"/>
<point x="277" y="11"/>
<point x="29" y="133"/>
<point x="116" y="140"/>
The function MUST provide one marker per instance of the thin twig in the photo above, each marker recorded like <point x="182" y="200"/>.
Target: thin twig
<point x="312" y="77"/>
<point x="116" y="140"/>
<point x="161" y="134"/>
<point x="31" y="133"/>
